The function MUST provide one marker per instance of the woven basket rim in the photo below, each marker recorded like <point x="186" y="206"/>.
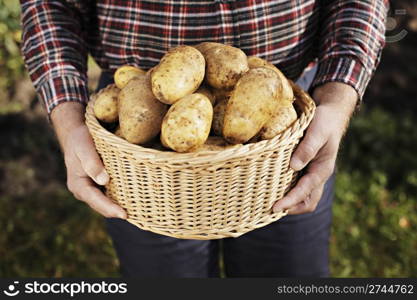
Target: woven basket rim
<point x="303" y="101"/>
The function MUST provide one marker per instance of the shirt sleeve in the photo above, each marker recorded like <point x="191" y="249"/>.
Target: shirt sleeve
<point x="54" y="51"/>
<point x="352" y="36"/>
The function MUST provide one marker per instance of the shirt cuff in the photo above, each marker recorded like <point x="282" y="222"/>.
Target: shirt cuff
<point x="63" y="89"/>
<point x="343" y="69"/>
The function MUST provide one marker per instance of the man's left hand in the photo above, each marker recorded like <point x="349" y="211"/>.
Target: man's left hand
<point x="318" y="149"/>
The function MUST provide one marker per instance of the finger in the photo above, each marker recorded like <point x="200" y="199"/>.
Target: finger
<point x="90" y="160"/>
<point x="84" y="190"/>
<point x="319" y="170"/>
<point x="308" y="148"/>
<point x="309" y="204"/>
<point x="299" y="193"/>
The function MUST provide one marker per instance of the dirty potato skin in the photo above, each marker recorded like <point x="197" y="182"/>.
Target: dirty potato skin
<point x="225" y="65"/>
<point x="208" y="93"/>
<point x="285" y="115"/>
<point x="251" y="105"/>
<point x="140" y="113"/>
<point x="221" y="94"/>
<point x="222" y="97"/>
<point x="126" y="73"/>
<point x="186" y="125"/>
<point x="215" y="143"/>
<point x="218" y="117"/>
<point x="105" y="104"/>
<point x="204" y="46"/>
<point x="283" y="118"/>
<point x="287" y="93"/>
<point x="179" y="73"/>
<point x="118" y="132"/>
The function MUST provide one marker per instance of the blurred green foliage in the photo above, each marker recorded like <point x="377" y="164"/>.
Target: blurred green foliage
<point x="11" y="63"/>
<point x="375" y="220"/>
<point x="46" y="232"/>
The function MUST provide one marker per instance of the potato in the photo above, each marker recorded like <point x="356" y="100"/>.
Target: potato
<point x="215" y="143"/>
<point x="222" y="97"/>
<point x="125" y="73"/>
<point x="140" y="113"/>
<point x="251" y="105"/>
<point x="187" y="123"/>
<point x="179" y="73"/>
<point x="105" y="104"/>
<point x="287" y="93"/>
<point x="218" y="117"/>
<point x="204" y="46"/>
<point x="208" y="93"/>
<point x="284" y="117"/>
<point x="225" y="65"/>
<point x="118" y="132"/>
<point x="149" y="72"/>
<point x="221" y="94"/>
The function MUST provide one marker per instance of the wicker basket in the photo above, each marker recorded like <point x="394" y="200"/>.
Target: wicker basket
<point x="203" y="195"/>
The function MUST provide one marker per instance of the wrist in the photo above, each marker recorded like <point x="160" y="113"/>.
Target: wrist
<point x="65" y="118"/>
<point x="336" y="94"/>
<point x="338" y="102"/>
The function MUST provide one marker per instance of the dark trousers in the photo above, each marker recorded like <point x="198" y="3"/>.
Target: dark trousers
<point x="294" y="246"/>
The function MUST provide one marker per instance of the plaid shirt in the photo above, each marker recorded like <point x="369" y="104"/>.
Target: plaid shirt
<point x="346" y="36"/>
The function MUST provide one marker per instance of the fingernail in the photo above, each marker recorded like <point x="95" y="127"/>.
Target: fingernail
<point x="296" y="164"/>
<point x="102" y="178"/>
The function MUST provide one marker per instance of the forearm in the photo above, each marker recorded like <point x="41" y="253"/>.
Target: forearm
<point x="338" y="94"/>
<point x="65" y="118"/>
<point x="341" y="99"/>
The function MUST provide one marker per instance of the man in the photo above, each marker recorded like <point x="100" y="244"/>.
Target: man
<point x="345" y="36"/>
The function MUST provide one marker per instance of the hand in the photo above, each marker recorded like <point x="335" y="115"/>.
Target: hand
<point x="84" y="168"/>
<point x="319" y="147"/>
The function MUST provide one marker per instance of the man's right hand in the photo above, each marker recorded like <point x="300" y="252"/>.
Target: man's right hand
<point x="84" y="167"/>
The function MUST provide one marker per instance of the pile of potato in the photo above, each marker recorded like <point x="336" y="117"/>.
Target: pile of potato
<point x="198" y="90"/>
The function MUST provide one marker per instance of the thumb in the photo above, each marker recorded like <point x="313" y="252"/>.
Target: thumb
<point x="306" y="150"/>
<point x="90" y="160"/>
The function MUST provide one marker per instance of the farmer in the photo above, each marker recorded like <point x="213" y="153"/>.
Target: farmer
<point x="344" y="37"/>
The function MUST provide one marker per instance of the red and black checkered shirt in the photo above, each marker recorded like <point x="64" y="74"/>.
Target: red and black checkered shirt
<point x="346" y="36"/>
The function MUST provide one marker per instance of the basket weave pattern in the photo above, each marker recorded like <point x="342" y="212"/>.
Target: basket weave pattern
<point x="201" y="195"/>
